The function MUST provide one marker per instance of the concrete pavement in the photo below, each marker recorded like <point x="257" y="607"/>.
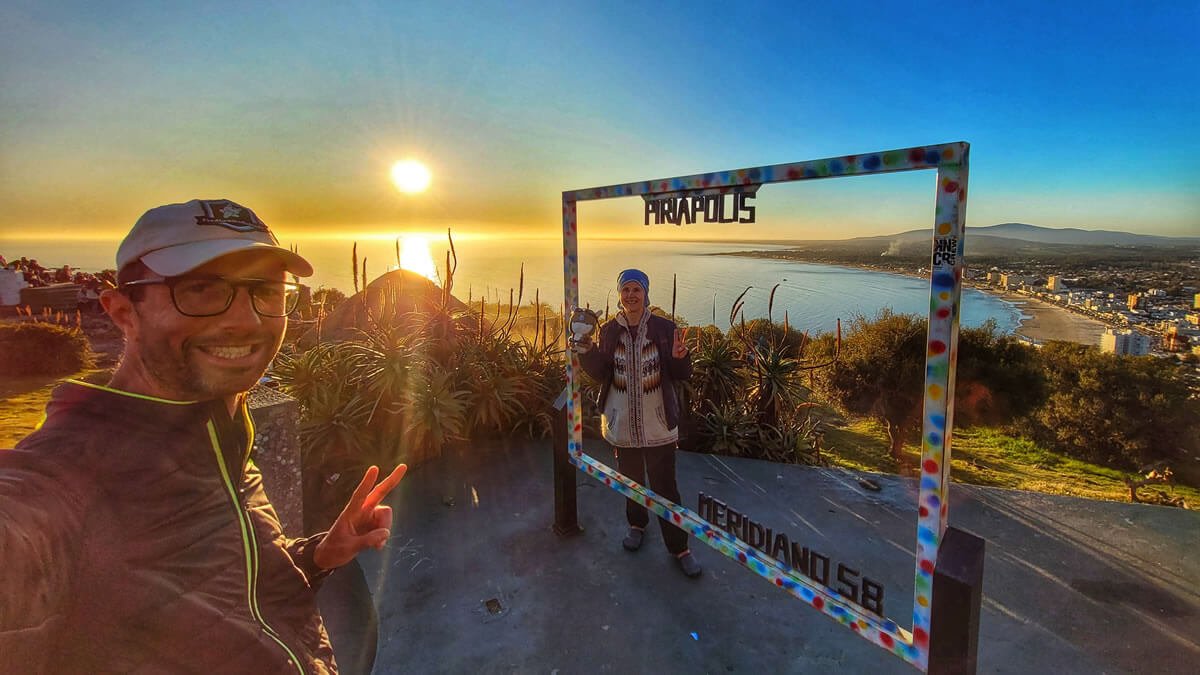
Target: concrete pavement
<point x="475" y="581"/>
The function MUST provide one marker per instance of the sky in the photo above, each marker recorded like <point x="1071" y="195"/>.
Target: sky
<point x="1079" y="114"/>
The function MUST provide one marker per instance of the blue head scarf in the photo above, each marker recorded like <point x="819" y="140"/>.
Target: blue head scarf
<point x="638" y="276"/>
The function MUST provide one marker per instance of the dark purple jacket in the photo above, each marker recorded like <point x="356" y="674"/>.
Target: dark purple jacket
<point x="136" y="537"/>
<point x="598" y="362"/>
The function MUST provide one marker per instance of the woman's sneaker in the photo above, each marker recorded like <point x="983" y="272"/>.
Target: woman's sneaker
<point x="633" y="540"/>
<point x="689" y="565"/>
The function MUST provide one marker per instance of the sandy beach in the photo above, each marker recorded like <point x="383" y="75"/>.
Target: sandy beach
<point x="1051" y="322"/>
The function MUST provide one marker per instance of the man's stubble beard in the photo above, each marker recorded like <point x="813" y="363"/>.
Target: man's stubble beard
<point x="179" y="372"/>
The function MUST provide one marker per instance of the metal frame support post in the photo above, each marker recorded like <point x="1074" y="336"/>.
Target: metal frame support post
<point x="566" y="514"/>
<point x="957" y="594"/>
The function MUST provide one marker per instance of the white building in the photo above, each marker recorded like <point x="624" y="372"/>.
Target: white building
<point x="11" y="283"/>
<point x="1015" y="281"/>
<point x="1124" y="342"/>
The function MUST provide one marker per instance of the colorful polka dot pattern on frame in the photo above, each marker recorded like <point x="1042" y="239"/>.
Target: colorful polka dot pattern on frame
<point x="909" y="159"/>
<point x="945" y="295"/>
<point x="883" y="632"/>
<point x="945" y="292"/>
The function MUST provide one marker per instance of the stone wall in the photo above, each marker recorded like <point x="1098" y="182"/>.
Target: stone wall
<point x="277" y="453"/>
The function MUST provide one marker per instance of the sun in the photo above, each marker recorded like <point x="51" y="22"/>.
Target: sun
<point x="410" y="176"/>
<point x="415" y="256"/>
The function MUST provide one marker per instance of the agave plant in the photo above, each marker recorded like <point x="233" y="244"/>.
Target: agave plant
<point x="717" y="377"/>
<point x="774" y="381"/>
<point x="795" y="440"/>
<point x="303" y="376"/>
<point x="335" y="426"/>
<point x="728" y="429"/>
<point x="434" y="413"/>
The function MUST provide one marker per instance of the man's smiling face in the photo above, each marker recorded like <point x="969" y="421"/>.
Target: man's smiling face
<point x="200" y="358"/>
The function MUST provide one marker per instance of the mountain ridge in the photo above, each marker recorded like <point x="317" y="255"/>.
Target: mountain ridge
<point x="1047" y="235"/>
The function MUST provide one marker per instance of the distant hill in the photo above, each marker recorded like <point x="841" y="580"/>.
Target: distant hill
<point x="1010" y="241"/>
<point x="1071" y="235"/>
<point x="1026" y="233"/>
<point x="391" y="295"/>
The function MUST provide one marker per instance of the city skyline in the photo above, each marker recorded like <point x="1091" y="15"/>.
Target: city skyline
<point x="1078" y="116"/>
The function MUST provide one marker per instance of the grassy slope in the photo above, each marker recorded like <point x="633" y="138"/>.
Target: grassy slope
<point x="987" y="456"/>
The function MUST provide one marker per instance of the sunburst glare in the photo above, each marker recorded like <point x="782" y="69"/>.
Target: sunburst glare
<point x="410" y="176"/>
<point x="415" y="256"/>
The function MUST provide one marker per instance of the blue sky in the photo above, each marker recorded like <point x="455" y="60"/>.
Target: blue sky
<point x="1079" y="114"/>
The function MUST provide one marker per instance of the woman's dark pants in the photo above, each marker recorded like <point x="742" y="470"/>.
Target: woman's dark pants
<point x="659" y="462"/>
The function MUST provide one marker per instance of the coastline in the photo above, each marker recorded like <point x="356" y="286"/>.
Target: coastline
<point x="1035" y="320"/>
<point x="1042" y="321"/>
<point x="1038" y="321"/>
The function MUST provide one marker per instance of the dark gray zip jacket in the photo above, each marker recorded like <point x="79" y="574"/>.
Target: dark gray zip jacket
<point x="135" y="536"/>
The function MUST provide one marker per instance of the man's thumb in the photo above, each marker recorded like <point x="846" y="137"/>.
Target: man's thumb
<point x="378" y="538"/>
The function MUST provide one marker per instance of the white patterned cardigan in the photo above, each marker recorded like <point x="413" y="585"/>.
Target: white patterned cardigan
<point x="637" y="373"/>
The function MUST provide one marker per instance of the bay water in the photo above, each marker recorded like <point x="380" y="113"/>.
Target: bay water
<point x="814" y="296"/>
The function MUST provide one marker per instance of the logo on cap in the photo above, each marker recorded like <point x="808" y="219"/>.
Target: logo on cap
<point x="229" y="215"/>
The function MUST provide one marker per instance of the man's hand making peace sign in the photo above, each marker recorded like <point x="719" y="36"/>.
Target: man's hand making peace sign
<point x="363" y="523"/>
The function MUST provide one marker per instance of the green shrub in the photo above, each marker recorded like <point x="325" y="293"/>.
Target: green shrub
<point x="880" y="373"/>
<point x="999" y="379"/>
<point x="42" y="349"/>
<point x="329" y="297"/>
<point x="1120" y="411"/>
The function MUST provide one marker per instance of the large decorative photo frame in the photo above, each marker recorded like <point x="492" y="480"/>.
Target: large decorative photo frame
<point x="945" y="290"/>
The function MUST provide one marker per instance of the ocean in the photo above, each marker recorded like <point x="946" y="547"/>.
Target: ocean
<point x="814" y="296"/>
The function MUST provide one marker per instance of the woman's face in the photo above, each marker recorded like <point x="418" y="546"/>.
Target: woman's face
<point x="633" y="297"/>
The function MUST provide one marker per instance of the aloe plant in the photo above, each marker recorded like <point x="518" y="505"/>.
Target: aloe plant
<point x="795" y="440"/>
<point x="335" y="426"/>
<point x="496" y="388"/>
<point x="717" y="375"/>
<point x="384" y="372"/>
<point x="774" y="381"/>
<point x="542" y="364"/>
<point x="728" y="429"/>
<point x="303" y="376"/>
<point x="435" y="414"/>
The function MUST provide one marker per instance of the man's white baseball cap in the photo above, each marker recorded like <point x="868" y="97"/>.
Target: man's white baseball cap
<point x="177" y="238"/>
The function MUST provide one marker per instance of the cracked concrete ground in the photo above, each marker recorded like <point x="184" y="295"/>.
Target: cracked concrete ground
<point x="475" y="581"/>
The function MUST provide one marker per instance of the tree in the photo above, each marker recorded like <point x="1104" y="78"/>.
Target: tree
<point x="329" y="297"/>
<point x="881" y="373"/>
<point x="999" y="379"/>
<point x="1118" y="410"/>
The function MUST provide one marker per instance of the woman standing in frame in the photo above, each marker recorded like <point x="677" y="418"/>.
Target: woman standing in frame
<point x="638" y="359"/>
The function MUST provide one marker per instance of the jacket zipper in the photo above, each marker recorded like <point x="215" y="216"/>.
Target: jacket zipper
<point x="249" y="546"/>
<point x="635" y="385"/>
